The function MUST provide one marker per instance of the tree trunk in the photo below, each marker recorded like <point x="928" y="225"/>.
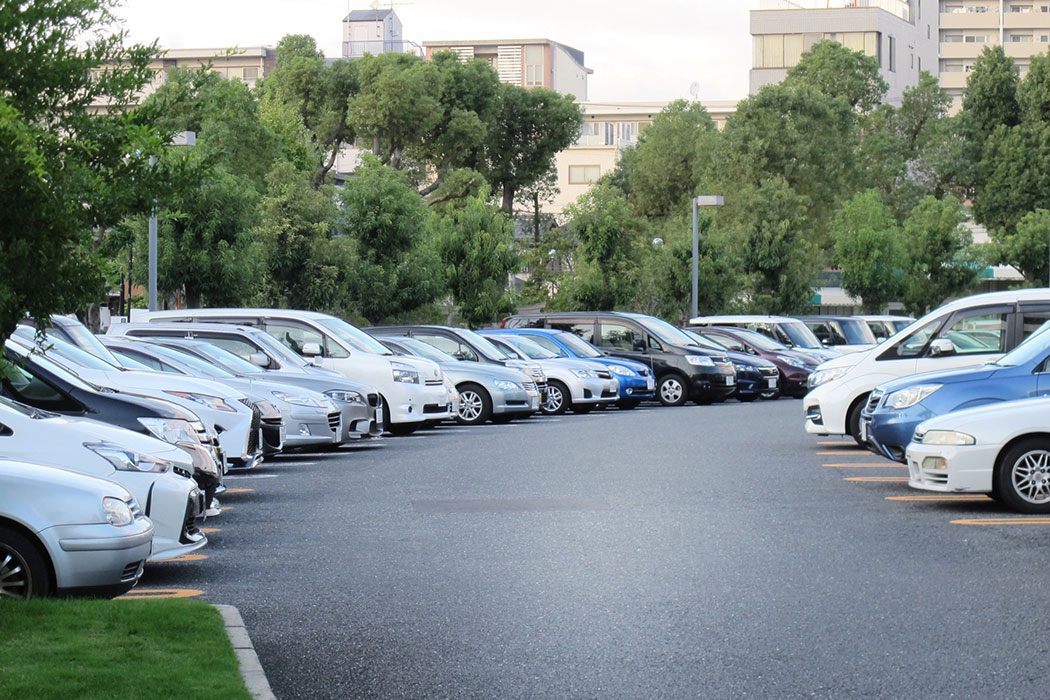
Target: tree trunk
<point x="508" y="199"/>
<point x="536" y="217"/>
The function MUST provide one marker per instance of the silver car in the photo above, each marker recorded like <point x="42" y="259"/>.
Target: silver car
<point x="486" y="391"/>
<point x="68" y="533"/>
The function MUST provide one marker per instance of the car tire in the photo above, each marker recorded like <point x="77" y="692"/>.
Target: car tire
<point x="671" y="389"/>
<point x="23" y="570"/>
<point x="1022" y="477"/>
<point x="746" y="399"/>
<point x="853" y="419"/>
<point x="627" y="405"/>
<point x="558" y="398"/>
<point x="475" y="405"/>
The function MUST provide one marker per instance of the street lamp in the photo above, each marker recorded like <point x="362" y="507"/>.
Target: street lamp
<point x="183" y="138"/>
<point x="701" y="201"/>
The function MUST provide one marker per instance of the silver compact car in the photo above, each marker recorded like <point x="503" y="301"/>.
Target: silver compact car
<point x="67" y="533"/>
<point x="486" y="391"/>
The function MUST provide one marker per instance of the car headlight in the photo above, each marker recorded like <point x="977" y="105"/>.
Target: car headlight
<point x="793" y="361"/>
<point x="213" y="402"/>
<point x="171" y="430"/>
<point x="699" y="360"/>
<point x="823" y="376"/>
<point x="267" y="409"/>
<point x="622" y="371"/>
<point x="117" y="512"/>
<point x="585" y="373"/>
<point x="944" y="437"/>
<point x="507" y="385"/>
<point x="905" y="398"/>
<point x="128" y="460"/>
<point x="297" y="399"/>
<point x="345" y="396"/>
<point x="404" y="373"/>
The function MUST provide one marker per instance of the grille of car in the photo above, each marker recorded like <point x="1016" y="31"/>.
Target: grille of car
<point x="333" y="421"/>
<point x="769" y="371"/>
<point x="272" y="422"/>
<point x="434" y="382"/>
<point x="131" y="571"/>
<point x="182" y="472"/>
<point x="253" y="431"/>
<point x="247" y="402"/>
<point x="529" y="386"/>
<point x="873" y="401"/>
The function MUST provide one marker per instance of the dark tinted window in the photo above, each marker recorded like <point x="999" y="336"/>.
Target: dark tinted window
<point x="20" y="385"/>
<point x="618" y="336"/>
<point x="584" y="329"/>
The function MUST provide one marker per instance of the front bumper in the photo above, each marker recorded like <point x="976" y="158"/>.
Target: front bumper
<point x="360" y="420"/>
<point x="312" y="428"/>
<point x="593" y="390"/>
<point x="714" y="385"/>
<point x="176" y="512"/>
<point x="636" y="388"/>
<point x="951" y="468"/>
<point x="887" y="433"/>
<point x="98" y="559"/>
<point x="515" y="401"/>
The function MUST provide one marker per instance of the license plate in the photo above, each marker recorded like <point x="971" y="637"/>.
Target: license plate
<point x="283" y="432"/>
<point x="730" y="380"/>
<point x="650" y="384"/>
<point x="771" y="382"/>
<point x="863" y="431"/>
<point x="535" y="403"/>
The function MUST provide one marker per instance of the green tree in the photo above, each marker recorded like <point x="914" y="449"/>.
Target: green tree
<point x="1026" y="248"/>
<point x="666" y="160"/>
<point x="870" y="251"/>
<point x="836" y="71"/>
<point x="944" y="264"/>
<point x="476" y="244"/>
<point x="991" y="91"/>
<point x="1016" y="173"/>
<point x="394" y="270"/>
<point x="530" y="127"/>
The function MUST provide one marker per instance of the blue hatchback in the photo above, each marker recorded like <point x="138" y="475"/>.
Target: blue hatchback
<point x="895" y="408"/>
<point x="636" y="379"/>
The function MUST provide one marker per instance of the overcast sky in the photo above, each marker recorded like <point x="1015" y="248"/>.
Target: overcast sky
<point x="638" y="50"/>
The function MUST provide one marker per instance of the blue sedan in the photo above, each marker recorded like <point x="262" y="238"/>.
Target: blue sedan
<point x="636" y="379"/>
<point x="895" y="408"/>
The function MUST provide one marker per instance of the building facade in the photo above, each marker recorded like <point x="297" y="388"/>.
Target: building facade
<point x="525" y="62"/>
<point x="902" y="35"/>
<point x="374" y="32"/>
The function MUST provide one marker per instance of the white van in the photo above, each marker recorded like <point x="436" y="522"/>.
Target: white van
<point x="413" y="388"/>
<point x="969" y="331"/>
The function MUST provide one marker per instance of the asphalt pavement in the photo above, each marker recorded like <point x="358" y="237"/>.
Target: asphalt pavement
<point x="696" y="552"/>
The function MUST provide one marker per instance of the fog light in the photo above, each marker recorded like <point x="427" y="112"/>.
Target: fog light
<point x="304" y="429"/>
<point x="934" y="464"/>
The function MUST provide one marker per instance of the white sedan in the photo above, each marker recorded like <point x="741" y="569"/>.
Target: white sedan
<point x="1001" y="449"/>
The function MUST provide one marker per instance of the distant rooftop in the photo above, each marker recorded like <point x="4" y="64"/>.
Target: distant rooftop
<point x="575" y="53"/>
<point x="897" y="7"/>
<point x="367" y="15"/>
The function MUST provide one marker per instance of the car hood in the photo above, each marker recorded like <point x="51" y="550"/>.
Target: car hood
<point x="945" y="376"/>
<point x="157" y="381"/>
<point x="849" y="360"/>
<point x="464" y="369"/>
<point x="1022" y="414"/>
<point x="620" y="362"/>
<point x="748" y="359"/>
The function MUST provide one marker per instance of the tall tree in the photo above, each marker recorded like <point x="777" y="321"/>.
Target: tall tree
<point x="944" y="265"/>
<point x="1026" y="248"/>
<point x="1016" y="173"/>
<point x="68" y="173"/>
<point x="870" y="251"/>
<point x="991" y="91"/>
<point x="530" y="127"/>
<point x="836" y="71"/>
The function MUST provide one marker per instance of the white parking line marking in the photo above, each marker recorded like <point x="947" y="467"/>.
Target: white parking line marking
<point x="251" y="476"/>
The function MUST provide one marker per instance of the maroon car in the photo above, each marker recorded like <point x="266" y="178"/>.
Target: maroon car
<point x="795" y="367"/>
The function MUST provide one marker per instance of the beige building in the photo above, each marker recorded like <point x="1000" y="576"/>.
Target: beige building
<point x="525" y="62"/>
<point x="608" y="128"/>
<point x="1022" y="27"/>
<point x="247" y="64"/>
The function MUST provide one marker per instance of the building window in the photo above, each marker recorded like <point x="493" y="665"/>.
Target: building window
<point x="1020" y="8"/>
<point x="1020" y="38"/>
<point x="584" y="174"/>
<point x="533" y="66"/>
<point x="251" y="73"/>
<point x="893" y="55"/>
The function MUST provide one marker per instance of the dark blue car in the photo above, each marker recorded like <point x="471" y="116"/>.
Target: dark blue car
<point x="755" y="377"/>
<point x="896" y="407"/>
<point x="636" y="380"/>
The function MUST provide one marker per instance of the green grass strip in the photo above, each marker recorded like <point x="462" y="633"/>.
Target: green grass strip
<point x="88" y="649"/>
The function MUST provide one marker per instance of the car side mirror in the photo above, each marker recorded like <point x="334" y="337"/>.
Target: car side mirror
<point x="639" y="345"/>
<point x="311" y="349"/>
<point x="941" y="347"/>
<point x="259" y="359"/>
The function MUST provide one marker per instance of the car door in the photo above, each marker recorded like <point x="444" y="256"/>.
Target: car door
<point x="979" y="335"/>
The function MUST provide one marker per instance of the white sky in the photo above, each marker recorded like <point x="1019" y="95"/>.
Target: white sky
<point x="638" y="50"/>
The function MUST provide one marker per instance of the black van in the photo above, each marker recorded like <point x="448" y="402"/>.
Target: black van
<point x="683" y="370"/>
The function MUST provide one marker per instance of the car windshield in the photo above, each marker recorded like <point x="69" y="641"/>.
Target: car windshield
<point x="48" y="364"/>
<point x="665" y="331"/>
<point x="856" y="331"/>
<point x="797" y="335"/>
<point x="193" y="365"/>
<point x="234" y="364"/>
<point x="762" y="342"/>
<point x="426" y="350"/>
<point x="87" y="341"/>
<point x="354" y="337"/>
<point x="278" y="349"/>
<point x="509" y="351"/>
<point x="1033" y="348"/>
<point x="531" y="349"/>
<point x="486" y="348"/>
<point x="579" y="346"/>
<point x="66" y="354"/>
<point x="702" y="341"/>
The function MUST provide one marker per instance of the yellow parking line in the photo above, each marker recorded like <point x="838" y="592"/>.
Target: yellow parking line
<point x="141" y="593"/>
<point x="1003" y="521"/>
<point x="238" y="490"/>
<point x="880" y="465"/>
<point x="225" y="507"/>
<point x="210" y="530"/>
<point x="946" y="497"/>
<point x="876" y="478"/>
<point x="185" y="557"/>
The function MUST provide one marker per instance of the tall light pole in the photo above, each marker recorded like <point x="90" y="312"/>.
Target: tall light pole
<point x="701" y="201"/>
<point x="183" y="138"/>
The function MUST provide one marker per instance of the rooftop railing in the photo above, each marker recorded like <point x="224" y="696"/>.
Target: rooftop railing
<point x="900" y="8"/>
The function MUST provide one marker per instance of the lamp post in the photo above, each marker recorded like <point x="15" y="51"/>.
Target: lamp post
<point x="701" y="201"/>
<point x="183" y="138"/>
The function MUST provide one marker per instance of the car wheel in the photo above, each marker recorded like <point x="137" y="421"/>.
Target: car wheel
<point x="558" y="398"/>
<point x="628" y="405"/>
<point x="1023" y="476"/>
<point x="23" y="571"/>
<point x="853" y="419"/>
<point x="475" y="406"/>
<point x="671" y="390"/>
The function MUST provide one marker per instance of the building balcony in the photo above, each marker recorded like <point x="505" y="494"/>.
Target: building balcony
<point x="1023" y="49"/>
<point x="1027" y="20"/>
<point x="953" y="81"/>
<point x="970" y="20"/>
<point x="959" y="49"/>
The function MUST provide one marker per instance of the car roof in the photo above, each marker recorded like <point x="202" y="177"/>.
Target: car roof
<point x="742" y="318"/>
<point x="186" y="325"/>
<point x="243" y="311"/>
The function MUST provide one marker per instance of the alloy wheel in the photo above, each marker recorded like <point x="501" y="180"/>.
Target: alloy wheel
<point x="1030" y="476"/>
<point x="555" y="400"/>
<point x="671" y="391"/>
<point x="470" y="406"/>
<point x="16" y="581"/>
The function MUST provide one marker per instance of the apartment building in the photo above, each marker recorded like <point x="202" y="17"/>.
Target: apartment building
<point x="902" y="35"/>
<point x="1022" y="27"/>
<point x="525" y="62"/>
<point x="374" y="31"/>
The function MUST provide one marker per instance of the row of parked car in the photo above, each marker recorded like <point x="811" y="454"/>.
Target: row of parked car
<point x="162" y="410"/>
<point x="955" y="395"/>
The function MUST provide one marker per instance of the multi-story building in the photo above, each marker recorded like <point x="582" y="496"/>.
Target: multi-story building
<point x="1022" y="27"/>
<point x="902" y="35"/>
<point x="525" y="62"/>
<point x="374" y="31"/>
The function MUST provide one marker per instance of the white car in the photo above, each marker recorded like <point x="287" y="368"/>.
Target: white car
<point x="156" y="473"/>
<point x="412" y="388"/>
<point x="969" y="331"/>
<point x="1001" y="449"/>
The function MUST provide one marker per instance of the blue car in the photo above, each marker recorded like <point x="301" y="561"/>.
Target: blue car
<point x="895" y="408"/>
<point x="636" y="380"/>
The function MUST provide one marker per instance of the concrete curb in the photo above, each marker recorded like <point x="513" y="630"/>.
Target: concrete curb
<point x="251" y="670"/>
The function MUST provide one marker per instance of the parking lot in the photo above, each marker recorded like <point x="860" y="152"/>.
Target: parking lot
<point x="704" y="551"/>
